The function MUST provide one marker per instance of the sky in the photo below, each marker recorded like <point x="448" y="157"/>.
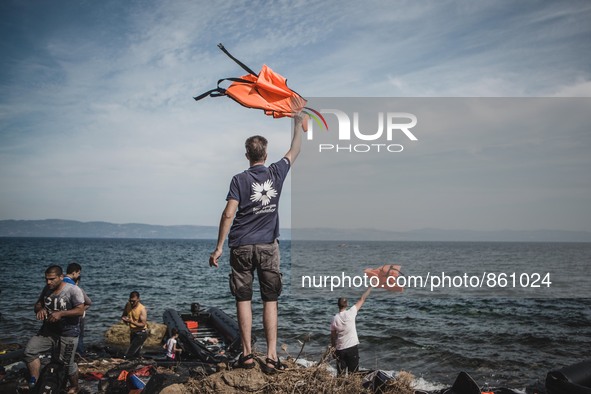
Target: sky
<point x="97" y="120"/>
<point x="476" y="163"/>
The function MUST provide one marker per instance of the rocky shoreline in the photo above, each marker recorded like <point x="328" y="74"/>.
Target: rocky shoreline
<point x="184" y="378"/>
<point x="104" y="371"/>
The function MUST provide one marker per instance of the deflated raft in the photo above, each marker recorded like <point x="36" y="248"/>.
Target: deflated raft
<point x="574" y="379"/>
<point x="208" y="335"/>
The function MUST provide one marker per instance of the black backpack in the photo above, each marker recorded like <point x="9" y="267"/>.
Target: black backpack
<point x="52" y="379"/>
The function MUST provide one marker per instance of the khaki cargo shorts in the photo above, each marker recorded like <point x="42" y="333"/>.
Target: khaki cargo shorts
<point x="265" y="259"/>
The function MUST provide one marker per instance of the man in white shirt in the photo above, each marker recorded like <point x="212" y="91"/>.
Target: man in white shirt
<point x="343" y="335"/>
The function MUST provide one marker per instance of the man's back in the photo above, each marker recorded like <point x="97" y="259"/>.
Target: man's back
<point x="257" y="191"/>
<point x="344" y="325"/>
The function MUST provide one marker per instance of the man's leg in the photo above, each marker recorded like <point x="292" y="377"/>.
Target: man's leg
<point x="271" y="286"/>
<point x="270" y="325"/>
<point x="241" y="287"/>
<point x="353" y="359"/>
<point x="341" y="364"/>
<point x="130" y="350"/>
<point x="67" y="354"/>
<point x="80" y="348"/>
<point x="244" y="312"/>
<point x="35" y="346"/>
<point x="34" y="368"/>
<point x="137" y="340"/>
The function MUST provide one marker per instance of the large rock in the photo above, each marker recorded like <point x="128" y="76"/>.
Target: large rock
<point x="118" y="335"/>
<point x="174" y="389"/>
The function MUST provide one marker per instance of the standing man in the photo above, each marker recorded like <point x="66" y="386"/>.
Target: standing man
<point x="252" y="221"/>
<point x="73" y="272"/>
<point x="136" y="317"/>
<point x="59" y="306"/>
<point x="73" y="276"/>
<point x="343" y="335"/>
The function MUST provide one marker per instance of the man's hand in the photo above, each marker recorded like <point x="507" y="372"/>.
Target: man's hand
<point x="214" y="257"/>
<point x="225" y="224"/>
<point x="54" y="317"/>
<point x="42" y="314"/>
<point x="301" y="120"/>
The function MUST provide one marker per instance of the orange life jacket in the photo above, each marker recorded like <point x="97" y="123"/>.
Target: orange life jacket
<point x="266" y="90"/>
<point x="383" y="273"/>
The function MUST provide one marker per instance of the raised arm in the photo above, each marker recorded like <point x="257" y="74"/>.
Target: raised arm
<point x="225" y="224"/>
<point x="364" y="296"/>
<point x="299" y="125"/>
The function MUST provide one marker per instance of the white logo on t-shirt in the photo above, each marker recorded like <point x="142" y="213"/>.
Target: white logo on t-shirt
<point x="263" y="192"/>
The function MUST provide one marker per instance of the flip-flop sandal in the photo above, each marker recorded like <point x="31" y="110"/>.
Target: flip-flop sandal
<point x="242" y="364"/>
<point x="277" y="366"/>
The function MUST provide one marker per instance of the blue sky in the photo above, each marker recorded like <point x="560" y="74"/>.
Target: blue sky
<point x="97" y="120"/>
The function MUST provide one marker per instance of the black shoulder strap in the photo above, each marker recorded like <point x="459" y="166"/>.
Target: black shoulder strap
<point x="219" y="91"/>
<point x="245" y="67"/>
<point x="213" y="93"/>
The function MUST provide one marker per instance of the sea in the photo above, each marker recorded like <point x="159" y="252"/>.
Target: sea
<point x="508" y="337"/>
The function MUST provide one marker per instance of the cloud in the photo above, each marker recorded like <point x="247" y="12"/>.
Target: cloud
<point x="97" y="120"/>
<point x="487" y="163"/>
<point x="579" y="89"/>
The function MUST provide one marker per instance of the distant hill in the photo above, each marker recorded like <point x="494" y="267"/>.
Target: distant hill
<point x="57" y="228"/>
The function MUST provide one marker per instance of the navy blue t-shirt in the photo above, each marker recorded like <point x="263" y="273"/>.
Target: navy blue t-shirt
<point x="257" y="191"/>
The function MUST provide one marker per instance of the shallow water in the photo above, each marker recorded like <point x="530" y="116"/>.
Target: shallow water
<point x="501" y="340"/>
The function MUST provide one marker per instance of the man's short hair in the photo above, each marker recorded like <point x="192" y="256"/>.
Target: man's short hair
<point x="73" y="267"/>
<point x="134" y="294"/>
<point x="256" y="148"/>
<point x="54" y="269"/>
<point x="342" y="302"/>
